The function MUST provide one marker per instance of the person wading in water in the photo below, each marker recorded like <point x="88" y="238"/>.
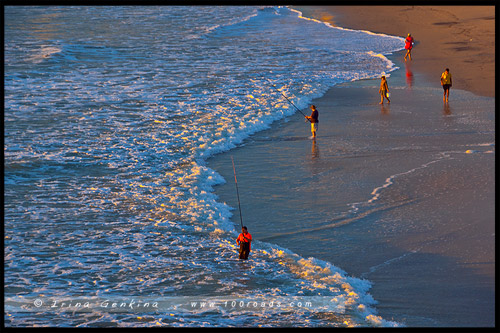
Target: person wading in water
<point x="244" y="240"/>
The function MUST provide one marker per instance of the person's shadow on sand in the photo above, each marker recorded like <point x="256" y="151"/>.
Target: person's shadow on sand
<point x="384" y="110"/>
<point x="314" y="150"/>
<point x="446" y="109"/>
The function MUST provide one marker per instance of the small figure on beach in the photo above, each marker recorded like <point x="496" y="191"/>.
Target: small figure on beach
<point x="313" y="118"/>
<point x="244" y="240"/>
<point x="384" y="90"/>
<point x="408" y="46"/>
<point x="446" y="83"/>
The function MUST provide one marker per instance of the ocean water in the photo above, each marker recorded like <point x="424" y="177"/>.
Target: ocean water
<point x="110" y="116"/>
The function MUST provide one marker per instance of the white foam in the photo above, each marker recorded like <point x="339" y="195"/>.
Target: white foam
<point x="133" y="125"/>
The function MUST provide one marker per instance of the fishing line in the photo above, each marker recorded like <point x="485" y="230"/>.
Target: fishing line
<point x="288" y="99"/>
<point x="237" y="193"/>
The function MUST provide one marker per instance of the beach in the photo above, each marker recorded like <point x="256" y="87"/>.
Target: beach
<point x="121" y="126"/>
<point x="461" y="38"/>
<point x="400" y="194"/>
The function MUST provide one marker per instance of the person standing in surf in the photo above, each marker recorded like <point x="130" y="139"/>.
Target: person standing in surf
<point x="313" y="118"/>
<point x="384" y="90"/>
<point x="244" y="240"/>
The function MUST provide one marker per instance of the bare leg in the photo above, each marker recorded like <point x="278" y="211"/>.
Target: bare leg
<point x="408" y="54"/>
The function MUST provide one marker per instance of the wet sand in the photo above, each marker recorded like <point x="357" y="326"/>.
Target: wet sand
<point x="461" y="38"/>
<point x="399" y="194"/>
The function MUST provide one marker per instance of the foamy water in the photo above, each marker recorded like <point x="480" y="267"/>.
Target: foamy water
<point x="110" y="115"/>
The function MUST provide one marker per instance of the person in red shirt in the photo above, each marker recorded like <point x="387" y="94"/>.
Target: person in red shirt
<point x="244" y="240"/>
<point x="408" y="46"/>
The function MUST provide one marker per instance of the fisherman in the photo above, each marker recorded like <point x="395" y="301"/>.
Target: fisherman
<point x="313" y="118"/>
<point x="244" y="240"/>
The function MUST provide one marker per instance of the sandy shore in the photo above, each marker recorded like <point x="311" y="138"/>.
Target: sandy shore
<point x="400" y="194"/>
<point x="427" y="242"/>
<point x="461" y="38"/>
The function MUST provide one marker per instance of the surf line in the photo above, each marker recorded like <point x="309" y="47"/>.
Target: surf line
<point x="387" y="263"/>
<point x="342" y="220"/>
<point x="390" y="180"/>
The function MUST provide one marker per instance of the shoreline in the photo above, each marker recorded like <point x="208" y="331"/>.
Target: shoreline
<point x="427" y="242"/>
<point x="464" y="36"/>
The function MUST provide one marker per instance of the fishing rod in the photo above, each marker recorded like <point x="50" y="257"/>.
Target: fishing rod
<point x="237" y="193"/>
<point x="288" y="99"/>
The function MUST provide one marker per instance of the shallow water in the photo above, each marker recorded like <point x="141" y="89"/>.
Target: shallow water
<point x="400" y="194"/>
<point x="110" y="115"/>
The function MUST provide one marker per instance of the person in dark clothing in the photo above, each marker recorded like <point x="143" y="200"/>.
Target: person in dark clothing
<point x="313" y="118"/>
